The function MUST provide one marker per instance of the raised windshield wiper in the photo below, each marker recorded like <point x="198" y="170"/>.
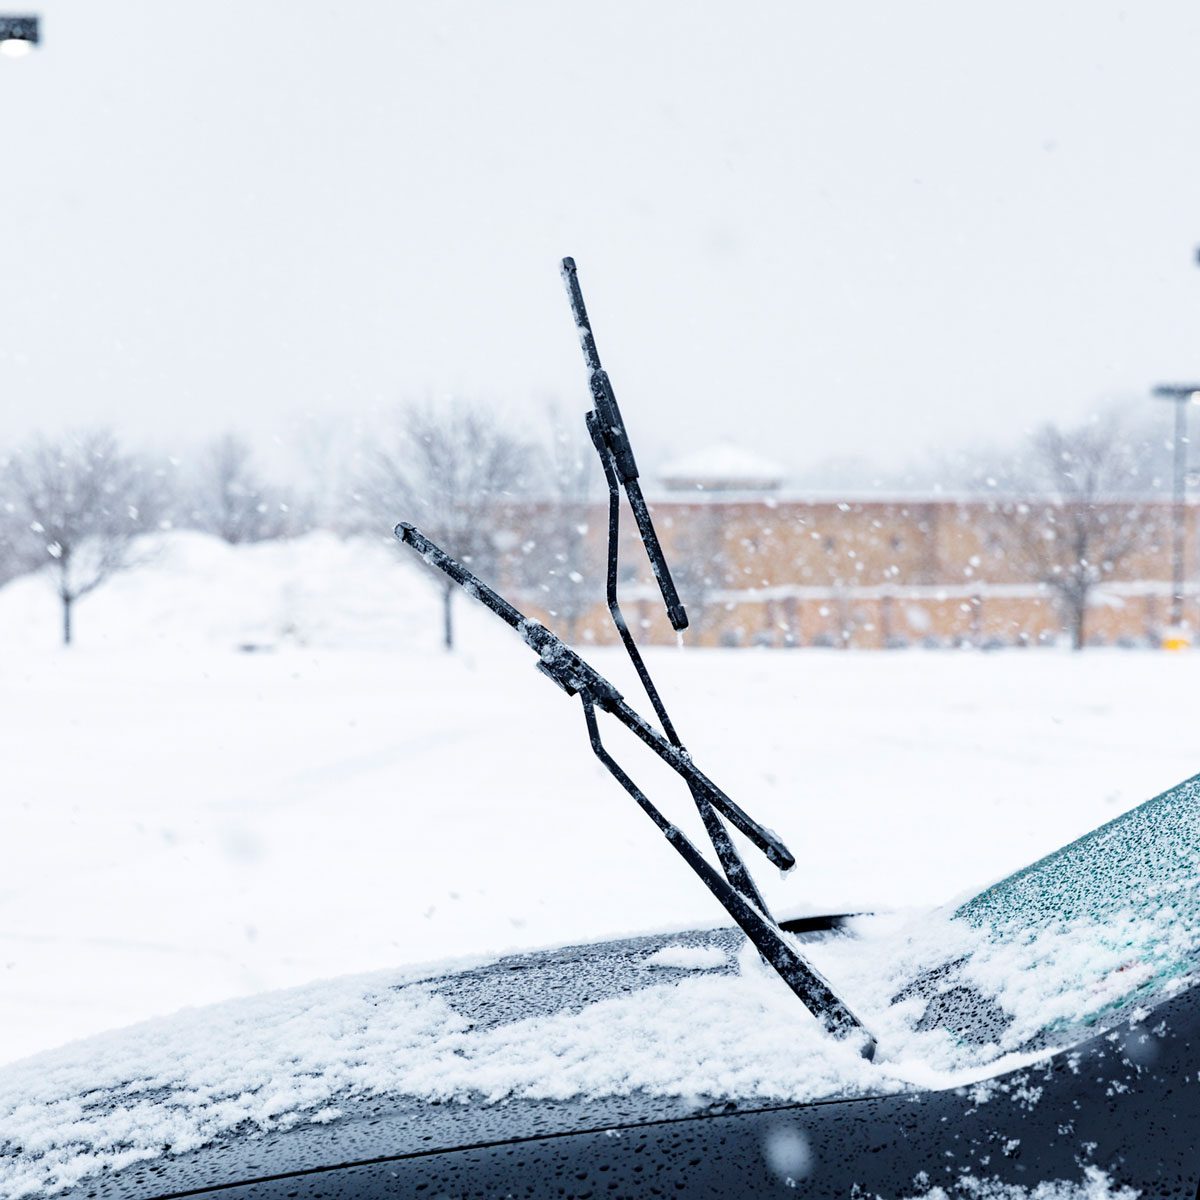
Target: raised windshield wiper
<point x="608" y="435"/>
<point x="612" y="443"/>
<point x="736" y="890"/>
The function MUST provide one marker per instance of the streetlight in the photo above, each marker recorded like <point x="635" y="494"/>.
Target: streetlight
<point x="18" y="35"/>
<point x="1182" y="394"/>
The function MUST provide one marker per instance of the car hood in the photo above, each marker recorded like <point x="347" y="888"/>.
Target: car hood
<point x="580" y="1037"/>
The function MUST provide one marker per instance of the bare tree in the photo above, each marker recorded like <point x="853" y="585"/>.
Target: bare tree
<point x="16" y="556"/>
<point x="1081" y="518"/>
<point x="448" y="471"/>
<point x="78" y="506"/>
<point x="1012" y="470"/>
<point x="559" y="563"/>
<point x="12" y="562"/>
<point x="229" y="497"/>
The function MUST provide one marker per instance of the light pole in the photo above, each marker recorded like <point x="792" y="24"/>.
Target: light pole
<point x="18" y="35"/>
<point x="1182" y="394"/>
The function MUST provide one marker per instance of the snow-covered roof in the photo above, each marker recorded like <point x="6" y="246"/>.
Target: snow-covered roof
<point x="722" y="467"/>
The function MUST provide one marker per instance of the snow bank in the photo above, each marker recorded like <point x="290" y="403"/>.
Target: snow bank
<point x="190" y="589"/>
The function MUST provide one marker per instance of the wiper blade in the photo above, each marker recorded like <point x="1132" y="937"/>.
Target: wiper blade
<point x="609" y="428"/>
<point x="579" y="678"/>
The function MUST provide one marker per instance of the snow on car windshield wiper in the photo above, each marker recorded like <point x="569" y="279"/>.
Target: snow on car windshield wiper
<point x="735" y="888"/>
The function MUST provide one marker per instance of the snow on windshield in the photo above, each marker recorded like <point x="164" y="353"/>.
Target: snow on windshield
<point x="1078" y="940"/>
<point x="1104" y="925"/>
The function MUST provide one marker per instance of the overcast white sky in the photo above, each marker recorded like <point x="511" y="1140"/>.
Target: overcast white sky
<point x="819" y="229"/>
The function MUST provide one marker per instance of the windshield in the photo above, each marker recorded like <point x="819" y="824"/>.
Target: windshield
<point x="1091" y="936"/>
<point x="1112" y="919"/>
<point x="1137" y="874"/>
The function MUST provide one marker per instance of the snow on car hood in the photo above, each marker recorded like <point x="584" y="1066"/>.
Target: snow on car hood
<point x="953" y="997"/>
<point x="301" y="1055"/>
<point x="694" y="1017"/>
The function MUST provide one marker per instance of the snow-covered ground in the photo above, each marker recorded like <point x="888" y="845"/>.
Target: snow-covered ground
<point x="185" y="821"/>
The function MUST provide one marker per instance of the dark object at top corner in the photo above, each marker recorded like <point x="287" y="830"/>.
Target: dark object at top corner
<point x="20" y="29"/>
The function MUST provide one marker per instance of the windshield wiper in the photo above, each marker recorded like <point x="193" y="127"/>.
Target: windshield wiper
<point x="736" y="891"/>
<point x="612" y="443"/>
<point x="608" y="435"/>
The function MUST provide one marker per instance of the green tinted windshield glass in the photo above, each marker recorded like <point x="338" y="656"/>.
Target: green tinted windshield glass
<point x="1143" y="860"/>
<point x="1104" y="926"/>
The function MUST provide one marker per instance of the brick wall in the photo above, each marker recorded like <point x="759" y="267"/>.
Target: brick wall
<point x="870" y="574"/>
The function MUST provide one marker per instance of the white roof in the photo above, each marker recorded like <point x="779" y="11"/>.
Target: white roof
<point x="722" y="465"/>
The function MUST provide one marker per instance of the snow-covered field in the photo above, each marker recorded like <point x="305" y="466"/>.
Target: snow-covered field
<point x="185" y="821"/>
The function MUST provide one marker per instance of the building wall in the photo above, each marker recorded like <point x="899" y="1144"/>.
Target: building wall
<point x="866" y="574"/>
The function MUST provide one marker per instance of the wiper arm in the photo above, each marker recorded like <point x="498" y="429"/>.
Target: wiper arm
<point x="575" y="676"/>
<point x="579" y="678"/>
